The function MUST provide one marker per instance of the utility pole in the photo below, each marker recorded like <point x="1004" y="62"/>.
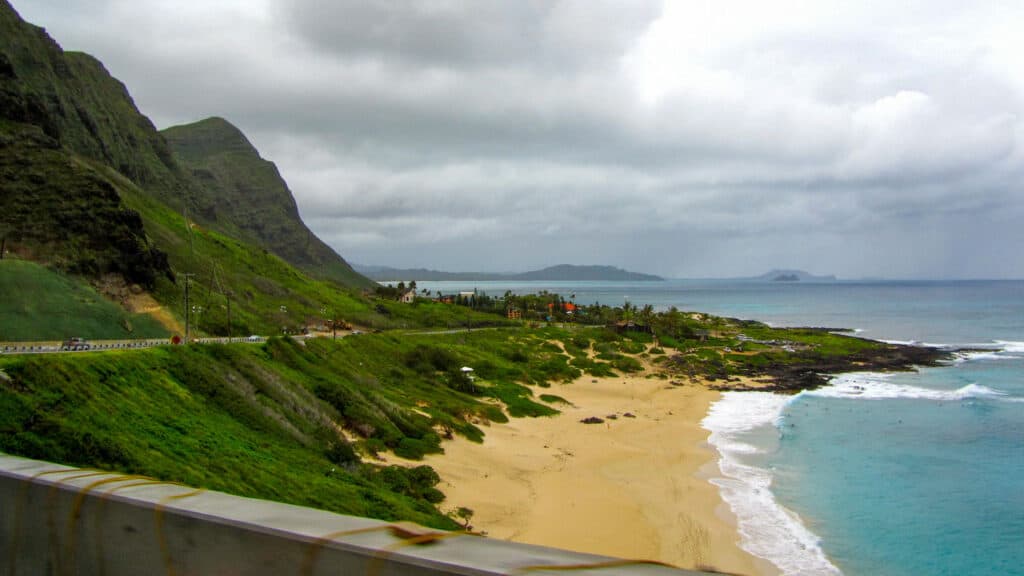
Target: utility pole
<point x="228" y="296"/>
<point x="187" y="277"/>
<point x="328" y="316"/>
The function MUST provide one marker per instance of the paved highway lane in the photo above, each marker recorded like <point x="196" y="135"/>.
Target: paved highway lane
<point x="101" y="345"/>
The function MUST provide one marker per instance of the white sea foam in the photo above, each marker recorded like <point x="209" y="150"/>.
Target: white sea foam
<point x="902" y="342"/>
<point x="995" y="350"/>
<point x="1010" y="346"/>
<point x="961" y="357"/>
<point x="872" y="386"/>
<point x="766" y="528"/>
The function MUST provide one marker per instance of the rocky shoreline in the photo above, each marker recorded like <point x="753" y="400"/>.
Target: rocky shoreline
<point x="808" y="370"/>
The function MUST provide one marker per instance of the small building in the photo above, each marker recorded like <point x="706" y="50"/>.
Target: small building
<point x="624" y="326"/>
<point x="408" y="297"/>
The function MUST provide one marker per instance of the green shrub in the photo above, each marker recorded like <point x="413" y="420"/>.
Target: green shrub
<point x="627" y="364"/>
<point x="593" y="367"/>
<point x="631" y="346"/>
<point x="495" y="414"/>
<point x="426" y="359"/>
<point x="517" y="400"/>
<point x="553" y="399"/>
<point x="433" y="495"/>
<point x="341" y="452"/>
<point x="416" y="448"/>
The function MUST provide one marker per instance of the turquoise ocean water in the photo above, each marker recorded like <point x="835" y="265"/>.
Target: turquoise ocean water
<point x="907" y="474"/>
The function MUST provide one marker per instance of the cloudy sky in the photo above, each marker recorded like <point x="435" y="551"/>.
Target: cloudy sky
<point x="684" y="138"/>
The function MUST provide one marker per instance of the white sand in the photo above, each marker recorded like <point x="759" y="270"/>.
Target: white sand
<point x="628" y="487"/>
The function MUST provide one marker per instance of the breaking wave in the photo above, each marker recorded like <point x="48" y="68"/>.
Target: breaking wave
<point x="767" y="529"/>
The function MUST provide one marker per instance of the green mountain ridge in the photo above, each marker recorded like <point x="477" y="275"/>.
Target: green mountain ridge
<point x="250" y="193"/>
<point x="74" y="100"/>
<point x="58" y="209"/>
<point x="91" y="189"/>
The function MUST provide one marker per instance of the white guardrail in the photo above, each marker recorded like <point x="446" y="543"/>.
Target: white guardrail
<point x="94" y="346"/>
<point x="60" y="520"/>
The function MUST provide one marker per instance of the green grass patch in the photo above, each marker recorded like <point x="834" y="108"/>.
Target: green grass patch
<point x="554" y="399"/>
<point x="627" y="364"/>
<point x="40" y="304"/>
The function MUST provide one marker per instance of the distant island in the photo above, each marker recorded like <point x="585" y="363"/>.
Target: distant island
<point x="561" y="272"/>
<point x="792" y="276"/>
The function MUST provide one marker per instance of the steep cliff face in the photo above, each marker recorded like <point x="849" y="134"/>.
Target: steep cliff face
<point x="59" y="210"/>
<point x="75" y="152"/>
<point x="249" y="193"/>
<point x="72" y="98"/>
<point x="62" y="121"/>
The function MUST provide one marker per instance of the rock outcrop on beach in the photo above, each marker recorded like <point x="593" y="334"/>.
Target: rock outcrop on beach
<point x="807" y="370"/>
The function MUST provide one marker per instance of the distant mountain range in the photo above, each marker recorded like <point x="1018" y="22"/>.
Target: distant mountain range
<point x="563" y="272"/>
<point x="792" y="276"/>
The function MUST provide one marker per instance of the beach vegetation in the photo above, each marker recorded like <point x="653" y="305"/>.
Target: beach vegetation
<point x="627" y="364"/>
<point x="463" y="515"/>
<point x="554" y="399"/>
<point x="591" y="367"/>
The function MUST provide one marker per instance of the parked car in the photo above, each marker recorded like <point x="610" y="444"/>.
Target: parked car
<point x="254" y="338"/>
<point x="75" y="343"/>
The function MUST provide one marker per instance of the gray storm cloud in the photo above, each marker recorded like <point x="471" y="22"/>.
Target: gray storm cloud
<point x="678" y="138"/>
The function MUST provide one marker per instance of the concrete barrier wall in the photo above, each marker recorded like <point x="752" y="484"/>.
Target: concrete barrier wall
<point x="56" y="520"/>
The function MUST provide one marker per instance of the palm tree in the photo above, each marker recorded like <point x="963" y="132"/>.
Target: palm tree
<point x="647" y="314"/>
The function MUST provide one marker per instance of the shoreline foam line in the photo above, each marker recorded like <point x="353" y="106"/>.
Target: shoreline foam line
<point x="767" y="529"/>
<point x="877" y="386"/>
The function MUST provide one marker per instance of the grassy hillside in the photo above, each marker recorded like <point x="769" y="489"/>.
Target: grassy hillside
<point x="267" y="294"/>
<point x="264" y="420"/>
<point x="57" y="209"/>
<point x="40" y="304"/>
<point x="248" y="192"/>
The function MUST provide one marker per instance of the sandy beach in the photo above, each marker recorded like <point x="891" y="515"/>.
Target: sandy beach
<point x="632" y="486"/>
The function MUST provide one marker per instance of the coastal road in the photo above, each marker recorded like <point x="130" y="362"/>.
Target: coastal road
<point x="53" y="347"/>
<point x="101" y="345"/>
